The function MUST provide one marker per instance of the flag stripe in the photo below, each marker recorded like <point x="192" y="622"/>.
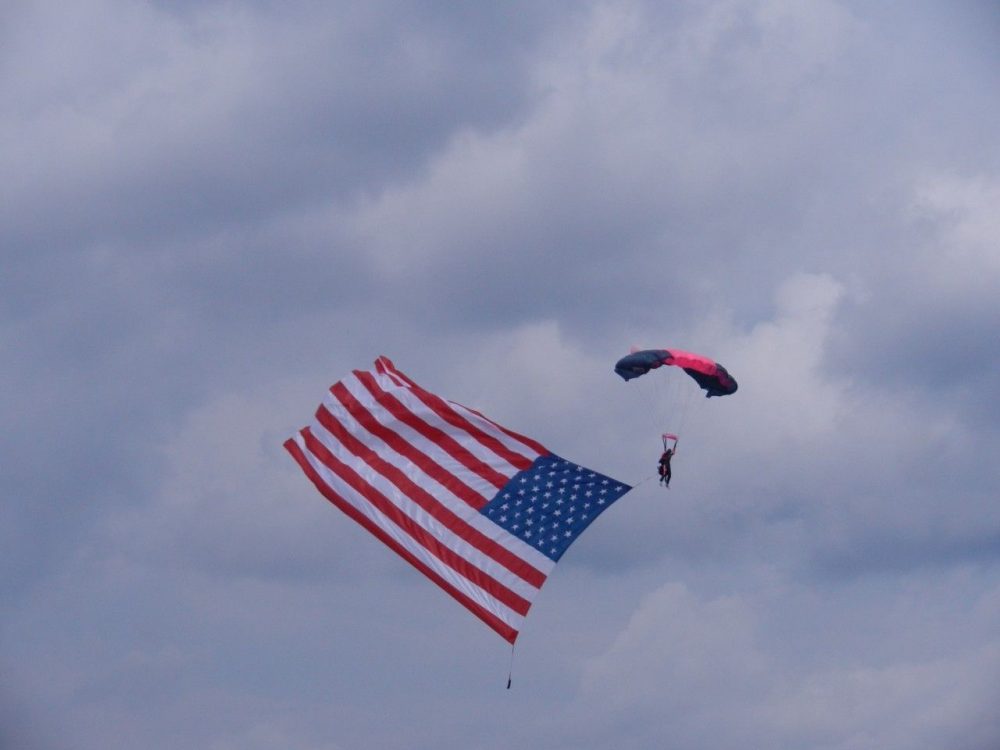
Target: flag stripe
<point x="397" y="377"/>
<point x="428" y="465"/>
<point x="445" y="487"/>
<point x="362" y="504"/>
<point x="436" y="435"/>
<point x="487" y="449"/>
<point x="532" y="444"/>
<point x="507" y="630"/>
<point x="449" y="414"/>
<point x="466" y="501"/>
<point x="459" y="526"/>
<point x="384" y="364"/>
<point x="424" y="537"/>
<point x="483" y="489"/>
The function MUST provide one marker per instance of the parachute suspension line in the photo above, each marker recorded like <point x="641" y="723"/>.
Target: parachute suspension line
<point x="661" y="396"/>
<point x="510" y="670"/>
<point x="670" y="411"/>
<point x="685" y="408"/>
<point x="666" y="406"/>
<point x="662" y="391"/>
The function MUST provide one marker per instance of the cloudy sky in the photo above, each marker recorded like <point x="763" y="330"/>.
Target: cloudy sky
<point x="212" y="210"/>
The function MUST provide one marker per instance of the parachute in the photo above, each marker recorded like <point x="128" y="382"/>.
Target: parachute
<point x="711" y="376"/>
<point x="675" y="391"/>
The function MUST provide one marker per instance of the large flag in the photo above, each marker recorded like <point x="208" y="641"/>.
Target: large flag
<point x="482" y="511"/>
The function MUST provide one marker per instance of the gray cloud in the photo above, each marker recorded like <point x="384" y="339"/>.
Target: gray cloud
<point x="214" y="210"/>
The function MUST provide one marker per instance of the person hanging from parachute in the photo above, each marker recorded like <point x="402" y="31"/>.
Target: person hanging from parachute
<point x="712" y="377"/>
<point x="663" y="467"/>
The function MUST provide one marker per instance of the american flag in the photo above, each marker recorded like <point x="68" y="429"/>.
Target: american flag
<point x="482" y="511"/>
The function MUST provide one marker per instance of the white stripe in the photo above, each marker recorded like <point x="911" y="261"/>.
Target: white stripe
<point x="419" y="409"/>
<point x="425" y="520"/>
<point x="349" y="495"/>
<point x="515" y="444"/>
<point x="512" y="443"/>
<point x="485" y="490"/>
<point x="462" y="434"/>
<point x="450" y="501"/>
<point x="395" y="378"/>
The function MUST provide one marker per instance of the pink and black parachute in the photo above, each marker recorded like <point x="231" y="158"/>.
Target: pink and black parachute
<point x="711" y="376"/>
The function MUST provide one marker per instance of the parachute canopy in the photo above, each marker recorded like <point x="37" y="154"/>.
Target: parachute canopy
<point x="711" y="376"/>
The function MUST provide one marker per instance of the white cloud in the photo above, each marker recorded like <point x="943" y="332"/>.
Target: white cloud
<point x="966" y="256"/>
<point x="503" y="200"/>
<point x="785" y="394"/>
<point x="705" y="671"/>
<point x="625" y="132"/>
<point x="676" y="646"/>
<point x="233" y="502"/>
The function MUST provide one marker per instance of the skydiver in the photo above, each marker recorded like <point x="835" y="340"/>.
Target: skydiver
<point x="664" y="466"/>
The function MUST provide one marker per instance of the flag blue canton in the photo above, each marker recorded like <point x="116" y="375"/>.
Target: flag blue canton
<point x="550" y="504"/>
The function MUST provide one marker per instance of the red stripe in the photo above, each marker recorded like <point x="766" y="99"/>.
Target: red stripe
<point x="396" y="377"/>
<point x="437" y="436"/>
<point x="506" y="631"/>
<point x="419" y="534"/>
<point x="444" y="410"/>
<point x="425" y="500"/>
<point x="384" y="364"/>
<point x="540" y="449"/>
<point x="426" y="464"/>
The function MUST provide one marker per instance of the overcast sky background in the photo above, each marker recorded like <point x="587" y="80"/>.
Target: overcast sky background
<point x="211" y="211"/>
